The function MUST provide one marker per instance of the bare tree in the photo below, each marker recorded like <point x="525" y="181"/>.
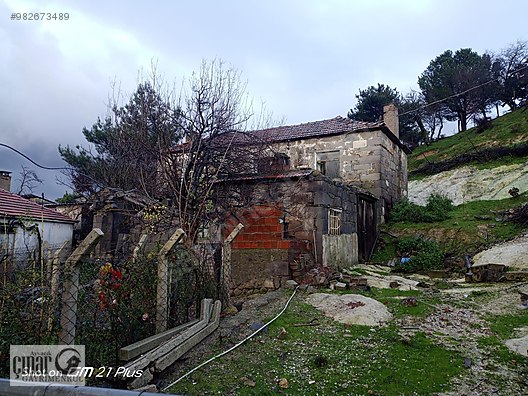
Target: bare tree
<point x="29" y="180"/>
<point x="511" y="70"/>
<point x="174" y="146"/>
<point x="214" y="112"/>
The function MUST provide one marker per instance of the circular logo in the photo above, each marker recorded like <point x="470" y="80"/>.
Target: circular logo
<point x="67" y="360"/>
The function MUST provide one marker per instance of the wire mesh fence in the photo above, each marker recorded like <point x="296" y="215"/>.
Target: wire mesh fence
<point x="101" y="303"/>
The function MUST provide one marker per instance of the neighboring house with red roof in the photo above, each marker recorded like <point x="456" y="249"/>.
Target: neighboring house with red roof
<point x="27" y="228"/>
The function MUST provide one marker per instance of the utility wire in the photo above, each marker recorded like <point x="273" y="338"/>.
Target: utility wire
<point x="30" y="160"/>
<point x="234" y="346"/>
<point x="460" y="93"/>
<point x="48" y="167"/>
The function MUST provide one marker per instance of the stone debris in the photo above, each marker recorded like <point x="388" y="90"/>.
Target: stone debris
<point x="486" y="273"/>
<point x="257" y="326"/>
<point x="371" y="313"/>
<point x="282" y="334"/>
<point x="410" y="301"/>
<point x="518" y="345"/>
<point x="454" y="322"/>
<point x="283" y="383"/>
<point x="248" y="382"/>
<point x="291" y="284"/>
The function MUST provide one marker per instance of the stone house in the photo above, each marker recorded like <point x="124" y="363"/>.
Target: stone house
<point x="332" y="183"/>
<point x="365" y="154"/>
<point x="292" y="220"/>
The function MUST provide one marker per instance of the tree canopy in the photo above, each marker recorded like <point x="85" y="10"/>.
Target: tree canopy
<point x="169" y="146"/>
<point x="371" y="101"/>
<point x="461" y="82"/>
<point x="126" y="146"/>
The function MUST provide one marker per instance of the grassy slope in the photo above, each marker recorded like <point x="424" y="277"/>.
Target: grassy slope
<point x="471" y="227"/>
<point x="476" y="225"/>
<point x="331" y="358"/>
<point x="507" y="130"/>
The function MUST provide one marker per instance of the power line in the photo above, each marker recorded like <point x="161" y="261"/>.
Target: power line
<point x="30" y="160"/>
<point x="460" y="93"/>
<point x="48" y="167"/>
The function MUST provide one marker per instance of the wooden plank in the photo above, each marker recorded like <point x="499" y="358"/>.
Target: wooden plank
<point x="139" y="246"/>
<point x="71" y="286"/>
<point x="132" y="351"/>
<point x="174" y="354"/>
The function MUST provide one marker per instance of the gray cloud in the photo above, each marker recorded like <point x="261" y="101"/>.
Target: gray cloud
<point x="305" y="59"/>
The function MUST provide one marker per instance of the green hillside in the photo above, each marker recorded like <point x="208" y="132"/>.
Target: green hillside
<point x="505" y="141"/>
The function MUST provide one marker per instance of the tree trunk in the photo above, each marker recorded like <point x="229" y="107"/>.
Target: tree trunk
<point x="463" y="121"/>
<point x="423" y="131"/>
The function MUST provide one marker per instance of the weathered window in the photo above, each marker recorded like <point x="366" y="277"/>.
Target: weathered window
<point x="328" y="163"/>
<point x="334" y="221"/>
<point x="279" y="162"/>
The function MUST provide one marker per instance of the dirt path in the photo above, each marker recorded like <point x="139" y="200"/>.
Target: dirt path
<point x="232" y="329"/>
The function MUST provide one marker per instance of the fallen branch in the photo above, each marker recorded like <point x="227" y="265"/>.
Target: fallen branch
<point x="312" y="322"/>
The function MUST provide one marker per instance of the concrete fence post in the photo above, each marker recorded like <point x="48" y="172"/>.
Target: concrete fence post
<point x="225" y="270"/>
<point x="56" y="266"/>
<point x="162" y="294"/>
<point x="71" y="286"/>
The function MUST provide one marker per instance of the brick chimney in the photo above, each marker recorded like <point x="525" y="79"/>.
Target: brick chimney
<point x="5" y="180"/>
<point x="390" y="118"/>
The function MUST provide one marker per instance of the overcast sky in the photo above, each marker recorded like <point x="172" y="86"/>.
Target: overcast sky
<point x="305" y="59"/>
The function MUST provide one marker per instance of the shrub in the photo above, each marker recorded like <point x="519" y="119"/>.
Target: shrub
<point x="425" y="254"/>
<point x="437" y="209"/>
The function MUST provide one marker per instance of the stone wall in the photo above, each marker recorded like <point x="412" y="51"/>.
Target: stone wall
<point x="370" y="160"/>
<point x="282" y="239"/>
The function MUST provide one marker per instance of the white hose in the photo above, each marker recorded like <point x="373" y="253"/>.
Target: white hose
<point x="234" y="346"/>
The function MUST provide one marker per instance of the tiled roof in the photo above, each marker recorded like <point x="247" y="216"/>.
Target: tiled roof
<point x="12" y="205"/>
<point x="332" y="126"/>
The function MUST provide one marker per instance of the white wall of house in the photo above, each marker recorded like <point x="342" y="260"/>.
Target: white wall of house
<point x="23" y="243"/>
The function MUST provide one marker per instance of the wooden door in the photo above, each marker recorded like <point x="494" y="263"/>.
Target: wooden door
<point x="366" y="225"/>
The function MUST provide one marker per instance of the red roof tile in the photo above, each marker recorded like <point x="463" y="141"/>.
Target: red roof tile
<point x="332" y="126"/>
<point x="12" y="205"/>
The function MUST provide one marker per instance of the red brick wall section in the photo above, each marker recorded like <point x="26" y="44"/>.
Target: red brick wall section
<point x="262" y="229"/>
